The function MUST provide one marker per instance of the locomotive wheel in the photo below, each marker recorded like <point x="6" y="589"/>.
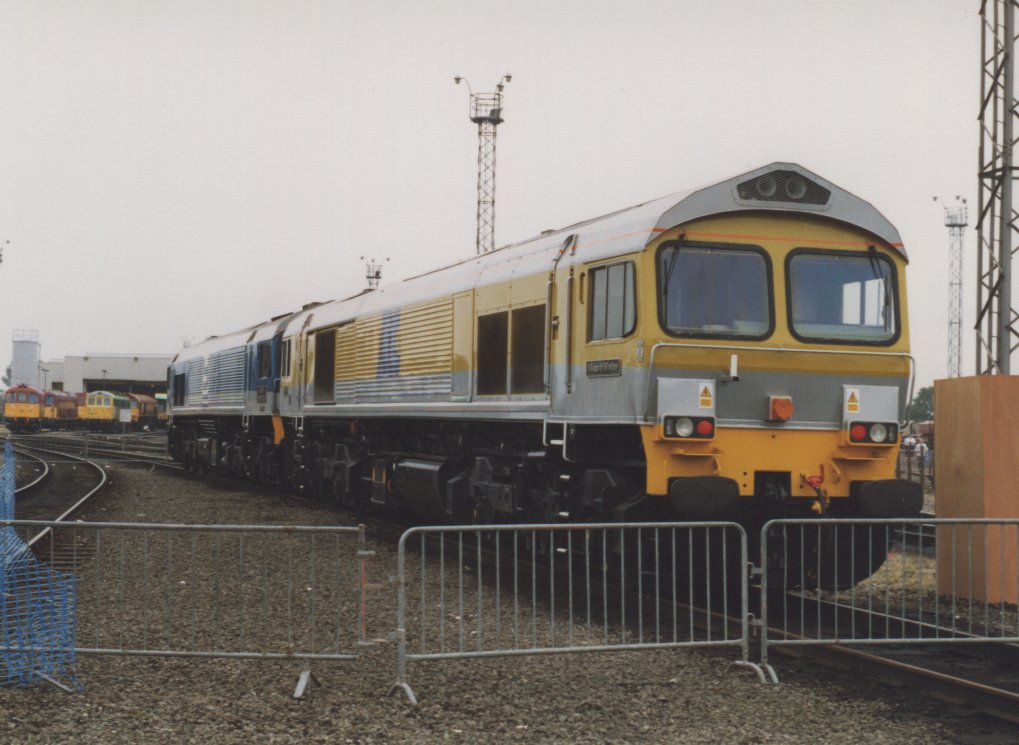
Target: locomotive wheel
<point x="317" y="485"/>
<point x="855" y="558"/>
<point x="188" y="458"/>
<point x="482" y="513"/>
<point x="236" y="457"/>
<point x="249" y="468"/>
<point x="700" y="565"/>
<point x="343" y="497"/>
<point x="352" y="500"/>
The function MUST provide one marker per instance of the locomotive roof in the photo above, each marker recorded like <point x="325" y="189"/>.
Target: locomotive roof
<point x="23" y="387"/>
<point x="107" y="393"/>
<point x="778" y="187"/>
<point x="59" y="394"/>
<point x="783" y="181"/>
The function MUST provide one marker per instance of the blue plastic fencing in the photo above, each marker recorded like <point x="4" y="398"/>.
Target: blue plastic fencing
<point x="38" y="606"/>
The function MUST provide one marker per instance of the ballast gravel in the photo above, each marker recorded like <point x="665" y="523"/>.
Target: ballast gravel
<point x="674" y="696"/>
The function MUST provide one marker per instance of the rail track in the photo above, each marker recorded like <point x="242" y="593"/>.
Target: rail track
<point x="64" y="487"/>
<point x="146" y="448"/>
<point x="969" y="671"/>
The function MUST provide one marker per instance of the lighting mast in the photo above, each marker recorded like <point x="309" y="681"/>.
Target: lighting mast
<point x="373" y="271"/>
<point x="956" y="220"/>
<point x="996" y="218"/>
<point x="486" y="112"/>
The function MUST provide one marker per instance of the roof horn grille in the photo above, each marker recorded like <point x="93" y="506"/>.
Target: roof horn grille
<point x="783" y="186"/>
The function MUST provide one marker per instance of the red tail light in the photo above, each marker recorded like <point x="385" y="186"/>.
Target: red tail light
<point x="874" y="433"/>
<point x="689" y="428"/>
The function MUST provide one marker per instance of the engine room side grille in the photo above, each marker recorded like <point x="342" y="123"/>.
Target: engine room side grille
<point x="783" y="186"/>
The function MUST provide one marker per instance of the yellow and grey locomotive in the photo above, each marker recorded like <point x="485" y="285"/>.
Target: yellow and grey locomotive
<point x="739" y="352"/>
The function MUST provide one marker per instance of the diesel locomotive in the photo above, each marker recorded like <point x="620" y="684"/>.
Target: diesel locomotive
<point x="737" y="352"/>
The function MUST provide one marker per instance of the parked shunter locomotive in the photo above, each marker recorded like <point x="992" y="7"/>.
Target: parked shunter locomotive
<point x="23" y="408"/>
<point x="101" y="411"/>
<point x="144" y="410"/>
<point x="739" y="351"/>
<point x="60" y="410"/>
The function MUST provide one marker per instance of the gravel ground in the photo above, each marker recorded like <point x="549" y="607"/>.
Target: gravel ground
<point x="628" y="697"/>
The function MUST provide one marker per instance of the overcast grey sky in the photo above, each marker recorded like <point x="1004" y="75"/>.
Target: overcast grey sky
<point x="177" y="169"/>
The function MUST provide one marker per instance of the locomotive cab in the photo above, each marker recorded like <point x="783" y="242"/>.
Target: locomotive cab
<point x="23" y="408"/>
<point x="783" y="371"/>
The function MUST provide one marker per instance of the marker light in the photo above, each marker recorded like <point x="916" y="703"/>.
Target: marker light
<point x="873" y="433"/>
<point x="702" y="428"/>
<point x="684" y="426"/>
<point x="780" y="408"/>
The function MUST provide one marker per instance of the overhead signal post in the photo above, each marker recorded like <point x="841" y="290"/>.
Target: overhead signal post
<point x="486" y="112"/>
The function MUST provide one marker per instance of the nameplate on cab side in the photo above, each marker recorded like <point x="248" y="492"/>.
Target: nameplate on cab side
<point x="604" y="369"/>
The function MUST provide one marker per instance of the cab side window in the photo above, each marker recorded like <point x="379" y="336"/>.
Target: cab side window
<point x="325" y="366"/>
<point x="285" y="360"/>
<point x="178" y="389"/>
<point x="264" y="359"/>
<point x="613" y="302"/>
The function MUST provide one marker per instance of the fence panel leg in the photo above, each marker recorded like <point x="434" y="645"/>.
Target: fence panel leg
<point x="305" y="682"/>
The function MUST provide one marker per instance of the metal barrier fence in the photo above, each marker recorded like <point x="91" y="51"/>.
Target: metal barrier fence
<point x="38" y="606"/>
<point x="262" y="592"/>
<point x="895" y="581"/>
<point x="471" y="591"/>
<point x="918" y="467"/>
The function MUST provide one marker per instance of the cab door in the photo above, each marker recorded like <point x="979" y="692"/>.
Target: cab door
<point x="286" y="380"/>
<point x="297" y="392"/>
<point x="263" y="375"/>
<point x="561" y="329"/>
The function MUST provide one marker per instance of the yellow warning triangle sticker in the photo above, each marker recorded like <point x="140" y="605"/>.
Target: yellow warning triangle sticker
<point x="706" y="393"/>
<point x="852" y="397"/>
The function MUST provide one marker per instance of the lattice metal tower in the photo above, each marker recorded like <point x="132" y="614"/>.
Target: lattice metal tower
<point x="486" y="112"/>
<point x="373" y="271"/>
<point x="956" y="220"/>
<point x="996" y="219"/>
